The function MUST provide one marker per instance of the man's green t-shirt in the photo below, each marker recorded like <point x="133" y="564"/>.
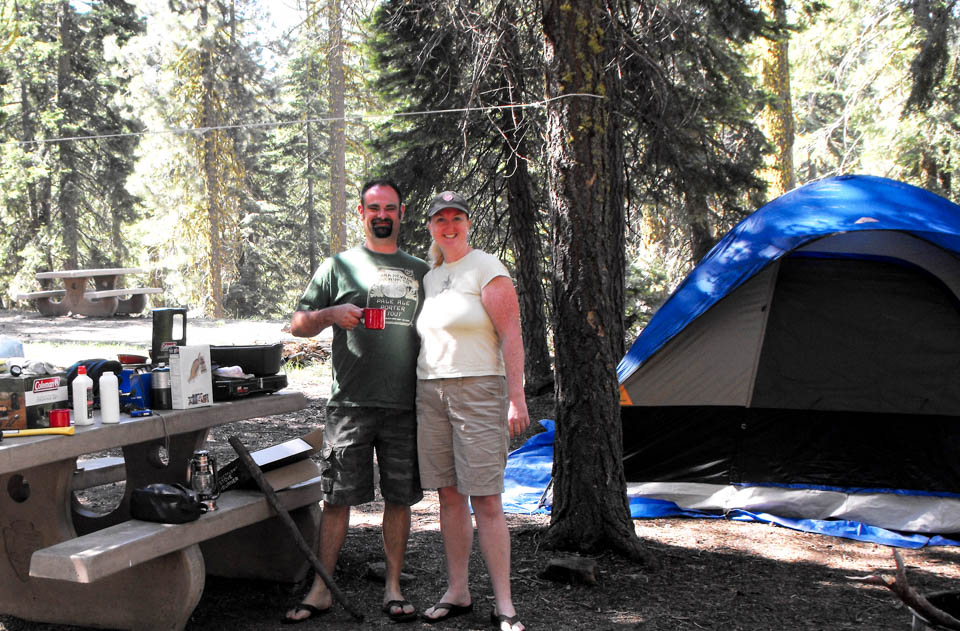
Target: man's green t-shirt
<point x="372" y="368"/>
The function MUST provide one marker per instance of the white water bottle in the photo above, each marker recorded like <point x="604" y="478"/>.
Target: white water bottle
<point x="82" y="398"/>
<point x="109" y="398"/>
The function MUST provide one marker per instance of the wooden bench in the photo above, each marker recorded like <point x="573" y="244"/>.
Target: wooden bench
<point x="99" y="471"/>
<point x="35" y="295"/>
<point x="134" y="304"/>
<point x="100" y="554"/>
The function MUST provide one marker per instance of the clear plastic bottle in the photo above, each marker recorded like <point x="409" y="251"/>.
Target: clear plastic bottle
<point x="82" y="398"/>
<point x="109" y="398"/>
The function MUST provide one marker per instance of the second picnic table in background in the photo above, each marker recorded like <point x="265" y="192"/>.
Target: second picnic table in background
<point x="77" y="298"/>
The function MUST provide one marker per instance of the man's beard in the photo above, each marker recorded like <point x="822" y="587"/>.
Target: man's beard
<point x="382" y="229"/>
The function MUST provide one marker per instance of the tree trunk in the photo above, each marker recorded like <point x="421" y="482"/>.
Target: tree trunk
<point x="311" y="212"/>
<point x="338" y="137"/>
<point x="697" y="212"/>
<point x="211" y="175"/>
<point x="67" y="164"/>
<point x="525" y="229"/>
<point x="584" y="171"/>
<point x="777" y="117"/>
<point x="527" y="233"/>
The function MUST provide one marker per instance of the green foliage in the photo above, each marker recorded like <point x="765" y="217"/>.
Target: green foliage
<point x="650" y="281"/>
<point x="877" y="92"/>
<point x="876" y="89"/>
<point x="690" y="104"/>
<point x="205" y="77"/>
<point x="452" y="60"/>
<point x="936" y="24"/>
<point x="848" y="72"/>
<point x="64" y="201"/>
<point x="466" y="74"/>
<point x="420" y="65"/>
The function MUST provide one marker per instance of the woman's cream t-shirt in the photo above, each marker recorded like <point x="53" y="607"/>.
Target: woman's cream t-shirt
<point x="457" y="337"/>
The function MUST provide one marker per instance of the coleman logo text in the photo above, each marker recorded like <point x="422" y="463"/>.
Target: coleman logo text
<point x="46" y="385"/>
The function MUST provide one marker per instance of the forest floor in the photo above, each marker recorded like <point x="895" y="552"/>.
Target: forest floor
<point x="713" y="574"/>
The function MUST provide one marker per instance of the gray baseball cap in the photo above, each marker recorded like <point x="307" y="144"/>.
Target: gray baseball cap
<point x="447" y="199"/>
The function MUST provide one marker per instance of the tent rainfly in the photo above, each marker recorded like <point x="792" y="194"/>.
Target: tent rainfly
<point x="809" y="366"/>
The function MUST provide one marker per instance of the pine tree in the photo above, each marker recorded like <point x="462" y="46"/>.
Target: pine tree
<point x="478" y="62"/>
<point x="693" y="149"/>
<point x="205" y="78"/>
<point x="306" y="184"/>
<point x="68" y="146"/>
<point x="777" y="116"/>
<point x="584" y="157"/>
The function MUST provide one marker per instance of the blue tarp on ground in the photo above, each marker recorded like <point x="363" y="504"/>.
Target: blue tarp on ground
<point x="529" y="469"/>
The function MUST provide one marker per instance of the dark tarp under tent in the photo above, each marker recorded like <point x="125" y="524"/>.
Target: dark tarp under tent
<point x="809" y="366"/>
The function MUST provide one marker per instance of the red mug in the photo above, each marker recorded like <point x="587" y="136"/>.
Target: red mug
<point x="60" y="418"/>
<point x="375" y="318"/>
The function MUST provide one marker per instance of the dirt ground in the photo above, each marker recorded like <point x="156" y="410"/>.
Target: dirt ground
<point x="714" y="574"/>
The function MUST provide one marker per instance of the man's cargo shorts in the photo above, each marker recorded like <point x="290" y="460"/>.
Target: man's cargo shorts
<point x="351" y="435"/>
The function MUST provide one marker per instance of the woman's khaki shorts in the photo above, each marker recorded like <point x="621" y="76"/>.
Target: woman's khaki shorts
<point x="462" y="433"/>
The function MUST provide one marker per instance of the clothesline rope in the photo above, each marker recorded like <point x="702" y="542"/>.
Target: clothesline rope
<point x="348" y="117"/>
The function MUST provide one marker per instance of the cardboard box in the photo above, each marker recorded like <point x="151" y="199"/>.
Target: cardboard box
<point x="191" y="385"/>
<point x="271" y="460"/>
<point x="25" y="402"/>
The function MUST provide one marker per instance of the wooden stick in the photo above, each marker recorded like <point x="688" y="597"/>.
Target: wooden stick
<point x="271" y="496"/>
<point x="914" y="600"/>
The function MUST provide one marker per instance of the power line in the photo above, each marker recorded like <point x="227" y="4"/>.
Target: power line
<point x="348" y="117"/>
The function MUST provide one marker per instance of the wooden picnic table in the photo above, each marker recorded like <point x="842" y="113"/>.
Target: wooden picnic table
<point x="103" y="299"/>
<point x="63" y="565"/>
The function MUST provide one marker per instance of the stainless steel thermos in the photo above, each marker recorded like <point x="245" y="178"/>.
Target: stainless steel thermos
<point x="160" y="395"/>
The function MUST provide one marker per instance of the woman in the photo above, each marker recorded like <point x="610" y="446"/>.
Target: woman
<point x="469" y="403"/>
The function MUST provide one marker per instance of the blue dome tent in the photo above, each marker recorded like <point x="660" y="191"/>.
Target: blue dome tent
<point x="809" y="366"/>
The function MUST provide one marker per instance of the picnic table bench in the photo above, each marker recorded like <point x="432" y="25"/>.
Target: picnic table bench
<point x="103" y="299"/>
<point x="62" y="565"/>
<point x="157" y="570"/>
<point x="98" y="471"/>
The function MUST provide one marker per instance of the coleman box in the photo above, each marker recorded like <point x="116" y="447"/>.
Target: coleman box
<point x="25" y="402"/>
<point x="191" y="385"/>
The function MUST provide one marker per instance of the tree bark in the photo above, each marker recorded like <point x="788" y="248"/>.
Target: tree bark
<point x="68" y="194"/>
<point x="311" y="212"/>
<point x="38" y="189"/>
<point x="584" y="171"/>
<point x="338" y="136"/>
<point x="702" y="232"/>
<point x="777" y="116"/>
<point x="211" y="173"/>
<point x="525" y="228"/>
<point x="527" y="233"/>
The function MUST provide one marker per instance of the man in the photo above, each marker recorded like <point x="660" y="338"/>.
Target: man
<point x="371" y="405"/>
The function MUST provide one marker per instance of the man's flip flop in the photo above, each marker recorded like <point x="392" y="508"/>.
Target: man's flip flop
<point x="400" y="616"/>
<point x="452" y="612"/>
<point x="314" y="611"/>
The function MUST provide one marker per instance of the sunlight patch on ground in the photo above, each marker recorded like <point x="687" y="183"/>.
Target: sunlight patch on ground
<point x="789" y="546"/>
<point x="425" y="514"/>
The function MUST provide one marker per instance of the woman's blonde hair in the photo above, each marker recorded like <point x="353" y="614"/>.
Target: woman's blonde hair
<point x="436" y="255"/>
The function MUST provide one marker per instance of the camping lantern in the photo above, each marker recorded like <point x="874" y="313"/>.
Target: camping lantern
<point x="202" y="476"/>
